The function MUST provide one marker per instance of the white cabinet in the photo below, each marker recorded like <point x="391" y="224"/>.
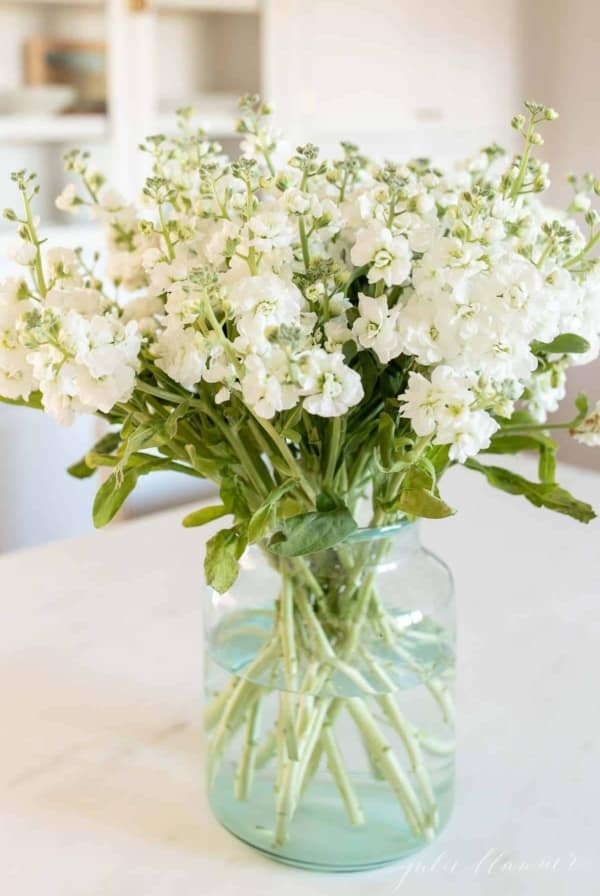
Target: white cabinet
<point x="163" y="56"/>
<point x="160" y="54"/>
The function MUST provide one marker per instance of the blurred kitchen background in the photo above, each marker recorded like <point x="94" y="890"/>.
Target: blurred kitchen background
<point x="400" y="78"/>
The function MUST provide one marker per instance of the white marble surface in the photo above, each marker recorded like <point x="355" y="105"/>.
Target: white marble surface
<point x="100" y="693"/>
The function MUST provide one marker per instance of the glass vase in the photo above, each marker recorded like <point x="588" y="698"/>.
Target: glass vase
<point x="329" y="717"/>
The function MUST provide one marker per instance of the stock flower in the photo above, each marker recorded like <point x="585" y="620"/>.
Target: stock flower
<point x="331" y="387"/>
<point x="82" y="365"/>
<point x="22" y="252"/>
<point x="546" y="390"/>
<point x="67" y="200"/>
<point x="273" y="278"/>
<point x="439" y="401"/>
<point x="266" y="387"/>
<point x="376" y="327"/>
<point x="85" y="300"/>
<point x="181" y="351"/>
<point x="16" y="375"/>
<point x="388" y="256"/>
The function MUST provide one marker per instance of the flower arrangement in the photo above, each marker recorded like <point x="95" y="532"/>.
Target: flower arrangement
<point x="309" y="334"/>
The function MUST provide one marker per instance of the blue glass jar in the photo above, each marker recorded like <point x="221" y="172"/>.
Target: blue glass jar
<point x="329" y="718"/>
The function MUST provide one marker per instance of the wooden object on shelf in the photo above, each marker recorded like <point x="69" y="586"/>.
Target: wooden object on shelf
<point x="81" y="64"/>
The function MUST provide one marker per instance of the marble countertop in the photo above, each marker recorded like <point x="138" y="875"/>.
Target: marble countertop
<point x="100" y="727"/>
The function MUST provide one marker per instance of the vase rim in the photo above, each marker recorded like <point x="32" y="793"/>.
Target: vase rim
<point x="389" y="530"/>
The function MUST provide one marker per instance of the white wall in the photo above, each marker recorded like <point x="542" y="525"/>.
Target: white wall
<point x="401" y="78"/>
<point x="561" y="67"/>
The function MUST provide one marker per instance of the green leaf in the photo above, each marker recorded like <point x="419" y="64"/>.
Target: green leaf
<point x="203" y="465"/>
<point x="143" y="437"/>
<point x="111" y="495"/>
<point x="540" y="494"/>
<point x="522" y="418"/>
<point x="260" y="523"/>
<point x="513" y="443"/>
<point x="565" y="344"/>
<point x="204" y="515"/>
<point x="106" y="445"/>
<point x="223" y="552"/>
<point x="172" y="421"/>
<point x="261" y="519"/>
<point x="368" y="368"/>
<point x="315" y="531"/>
<point x="422" y="503"/>
<point x="232" y="496"/>
<point x="418" y="498"/>
<point x="358" y="272"/>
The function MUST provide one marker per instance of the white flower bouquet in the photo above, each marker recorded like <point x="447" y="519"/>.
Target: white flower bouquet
<point x="310" y="334"/>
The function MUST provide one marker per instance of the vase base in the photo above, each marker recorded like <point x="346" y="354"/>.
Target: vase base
<point x="321" y="839"/>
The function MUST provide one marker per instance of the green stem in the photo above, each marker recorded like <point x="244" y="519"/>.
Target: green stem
<point x="516" y="188"/>
<point x="340" y="776"/>
<point x="304" y="242"/>
<point x="333" y="448"/>
<point x="165" y="232"/>
<point x="382" y="749"/>
<point x="39" y="268"/>
<point x="581" y="255"/>
<point x="245" y="771"/>
<point x="293" y="466"/>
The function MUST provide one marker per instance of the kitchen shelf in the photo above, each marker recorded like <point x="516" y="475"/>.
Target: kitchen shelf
<point x="52" y="128"/>
<point x="234" y="6"/>
<point x="89" y="4"/>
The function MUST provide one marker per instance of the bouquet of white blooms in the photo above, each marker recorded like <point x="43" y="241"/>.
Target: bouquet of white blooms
<point x="310" y="334"/>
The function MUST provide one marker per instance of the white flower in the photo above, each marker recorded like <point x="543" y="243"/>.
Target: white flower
<point x="126" y="269"/>
<point x="89" y="366"/>
<point x="261" y="304"/>
<point x="427" y="403"/>
<point x="389" y="256"/>
<point x="337" y="332"/>
<point x="181" y="352"/>
<point x="467" y="435"/>
<point x="87" y="302"/>
<point x="145" y="310"/>
<point x="266" y="385"/>
<point x="376" y="327"/>
<point x="271" y="228"/>
<point x="16" y="375"/>
<point x="331" y="387"/>
<point x="62" y="265"/>
<point x="67" y="201"/>
<point x="22" y="252"/>
<point x="443" y="408"/>
<point x="582" y="202"/>
<point x="298" y="202"/>
<point x="588" y="432"/>
<point x="546" y="390"/>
